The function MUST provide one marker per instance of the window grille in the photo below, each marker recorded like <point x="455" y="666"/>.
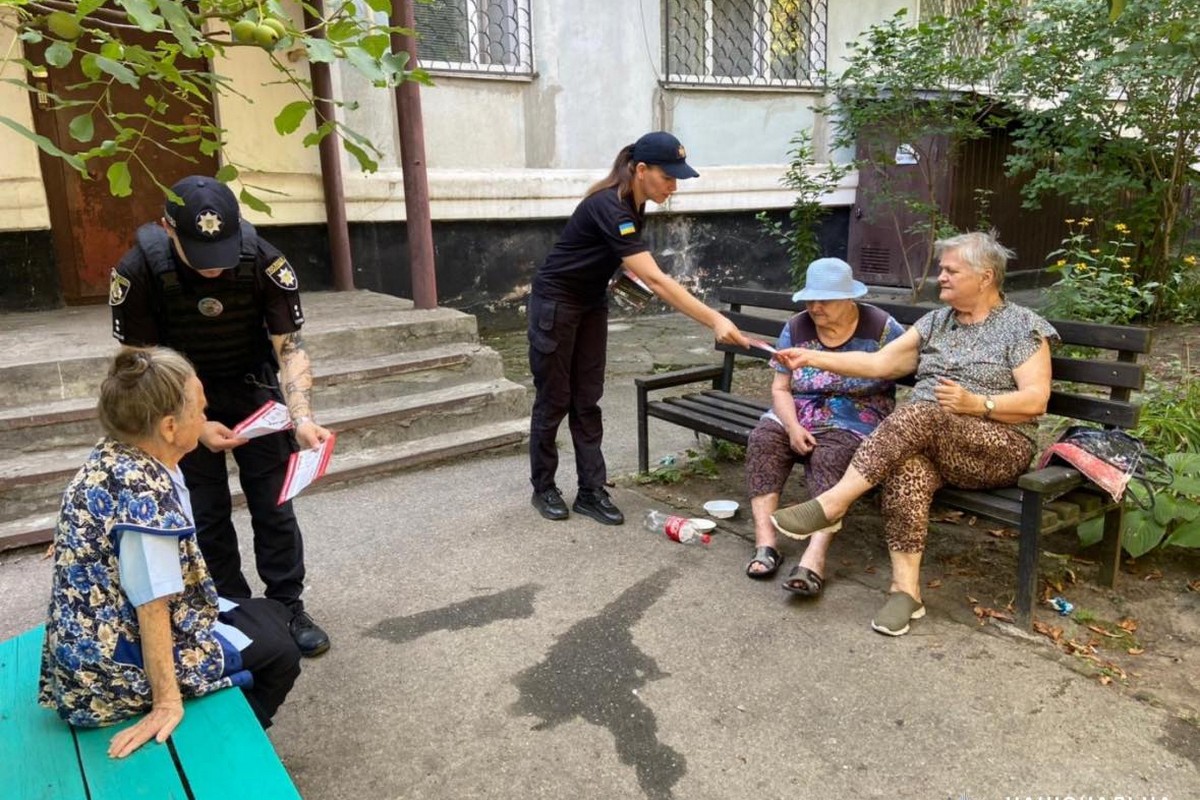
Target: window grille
<point x="745" y="42"/>
<point x="968" y="42"/>
<point x="475" y="36"/>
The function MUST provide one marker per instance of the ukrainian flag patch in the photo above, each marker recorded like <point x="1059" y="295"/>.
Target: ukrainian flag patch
<point x="627" y="228"/>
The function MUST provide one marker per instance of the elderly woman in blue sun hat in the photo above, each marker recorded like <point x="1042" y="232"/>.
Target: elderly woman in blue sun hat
<point x="817" y="417"/>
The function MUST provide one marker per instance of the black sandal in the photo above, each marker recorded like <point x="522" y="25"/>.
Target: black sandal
<point x="804" y="582"/>
<point x="767" y="556"/>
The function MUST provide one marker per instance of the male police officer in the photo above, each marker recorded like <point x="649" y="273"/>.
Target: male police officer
<point x="202" y="282"/>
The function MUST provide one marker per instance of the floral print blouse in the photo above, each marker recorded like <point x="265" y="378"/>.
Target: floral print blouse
<point x="92" y="670"/>
<point x="826" y="400"/>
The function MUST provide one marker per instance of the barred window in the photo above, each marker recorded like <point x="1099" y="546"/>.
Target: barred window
<point x="475" y="36"/>
<point x="745" y="42"/>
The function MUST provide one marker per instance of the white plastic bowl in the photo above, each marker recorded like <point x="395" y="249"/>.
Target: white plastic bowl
<point x="721" y="509"/>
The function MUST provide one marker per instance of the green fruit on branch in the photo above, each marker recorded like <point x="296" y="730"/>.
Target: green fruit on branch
<point x="275" y="25"/>
<point x="64" y="25"/>
<point x="243" y="30"/>
<point x="265" y="35"/>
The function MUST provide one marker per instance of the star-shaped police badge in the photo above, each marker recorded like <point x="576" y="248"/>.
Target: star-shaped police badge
<point x="209" y="222"/>
<point x="282" y="275"/>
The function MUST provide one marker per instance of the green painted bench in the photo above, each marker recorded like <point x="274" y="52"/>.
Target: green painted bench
<point x="218" y="751"/>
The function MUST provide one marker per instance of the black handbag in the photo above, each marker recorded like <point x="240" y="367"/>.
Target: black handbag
<point x="1112" y="459"/>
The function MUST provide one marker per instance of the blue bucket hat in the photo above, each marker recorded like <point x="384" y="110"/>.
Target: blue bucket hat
<point x="830" y="279"/>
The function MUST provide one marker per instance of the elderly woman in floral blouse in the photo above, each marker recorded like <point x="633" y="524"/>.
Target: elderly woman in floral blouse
<point x="816" y="417"/>
<point x="983" y="378"/>
<point x="135" y="625"/>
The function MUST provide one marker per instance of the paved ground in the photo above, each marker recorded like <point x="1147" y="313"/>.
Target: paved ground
<point x="482" y="652"/>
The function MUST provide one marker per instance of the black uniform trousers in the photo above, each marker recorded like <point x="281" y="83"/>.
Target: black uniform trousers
<point x="568" y="345"/>
<point x="262" y="467"/>
<point x="272" y="657"/>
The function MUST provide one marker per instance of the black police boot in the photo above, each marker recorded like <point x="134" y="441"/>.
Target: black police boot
<point x="550" y="504"/>
<point x="308" y="635"/>
<point x="596" y="504"/>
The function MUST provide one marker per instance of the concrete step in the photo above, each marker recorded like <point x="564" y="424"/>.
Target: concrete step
<point x="37" y="528"/>
<point x="59" y="423"/>
<point x="362" y="334"/>
<point x="69" y="362"/>
<point x="440" y="410"/>
<point x="31" y="483"/>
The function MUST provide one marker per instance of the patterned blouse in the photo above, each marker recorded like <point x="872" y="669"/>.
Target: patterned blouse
<point x="92" y="659"/>
<point x="981" y="356"/>
<point x="827" y="400"/>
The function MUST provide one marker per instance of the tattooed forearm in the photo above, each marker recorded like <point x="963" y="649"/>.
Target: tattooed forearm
<point x="295" y="373"/>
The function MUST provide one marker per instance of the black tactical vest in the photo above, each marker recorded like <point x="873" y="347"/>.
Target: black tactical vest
<point x="219" y="325"/>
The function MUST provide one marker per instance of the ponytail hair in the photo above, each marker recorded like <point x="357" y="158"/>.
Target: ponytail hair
<point x="619" y="177"/>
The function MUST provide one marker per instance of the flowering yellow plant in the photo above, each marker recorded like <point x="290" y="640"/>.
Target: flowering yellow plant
<point x="1098" y="282"/>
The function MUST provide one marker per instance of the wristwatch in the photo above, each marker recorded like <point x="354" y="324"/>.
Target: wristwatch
<point x="989" y="405"/>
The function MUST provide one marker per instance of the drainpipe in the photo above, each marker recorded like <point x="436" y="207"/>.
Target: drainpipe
<point x="418" y="221"/>
<point x="331" y="160"/>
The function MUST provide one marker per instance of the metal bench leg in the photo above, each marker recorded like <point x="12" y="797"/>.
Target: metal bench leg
<point x="1110" y="547"/>
<point x="1027" y="556"/>
<point x="643" y="433"/>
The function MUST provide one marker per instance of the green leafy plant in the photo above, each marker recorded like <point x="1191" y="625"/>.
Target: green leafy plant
<point x="810" y="182"/>
<point x="695" y="463"/>
<point x="1097" y="283"/>
<point x="91" y="34"/>
<point x="1110" y="117"/>
<point x="1173" y="519"/>
<point x="1180" y="297"/>
<point x="914" y="95"/>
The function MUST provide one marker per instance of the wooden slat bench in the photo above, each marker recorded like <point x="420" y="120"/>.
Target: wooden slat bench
<point x="1043" y="501"/>
<point x="218" y="751"/>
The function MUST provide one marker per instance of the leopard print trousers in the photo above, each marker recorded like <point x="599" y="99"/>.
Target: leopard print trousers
<point x="919" y="448"/>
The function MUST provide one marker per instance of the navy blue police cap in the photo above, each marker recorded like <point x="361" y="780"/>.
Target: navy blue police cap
<point x="664" y="150"/>
<point x="208" y="222"/>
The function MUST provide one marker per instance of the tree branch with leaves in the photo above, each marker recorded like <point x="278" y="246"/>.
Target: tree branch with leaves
<point x="176" y="72"/>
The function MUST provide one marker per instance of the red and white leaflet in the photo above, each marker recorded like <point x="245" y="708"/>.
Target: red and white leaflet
<point x="305" y="467"/>
<point x="761" y="345"/>
<point x="271" y="418"/>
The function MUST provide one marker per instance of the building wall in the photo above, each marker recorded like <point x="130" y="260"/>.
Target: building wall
<point x="502" y="154"/>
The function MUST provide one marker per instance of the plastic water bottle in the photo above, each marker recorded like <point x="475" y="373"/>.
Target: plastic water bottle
<point x="677" y="529"/>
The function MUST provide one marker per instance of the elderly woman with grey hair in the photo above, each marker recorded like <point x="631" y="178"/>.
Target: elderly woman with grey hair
<point x="135" y="624"/>
<point x="982" y="366"/>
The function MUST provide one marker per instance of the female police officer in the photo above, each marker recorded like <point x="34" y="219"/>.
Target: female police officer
<point x="568" y="317"/>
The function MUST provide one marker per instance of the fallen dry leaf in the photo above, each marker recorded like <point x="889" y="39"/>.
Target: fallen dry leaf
<point x="1128" y="624"/>
<point x="1194" y="586"/>
<point x="49" y="552"/>
<point x="1102" y="632"/>
<point x="935" y="583"/>
<point x="1104" y="680"/>
<point x="1051" y="632"/>
<point x="1153" y="575"/>
<point x="1136" y="651"/>
<point x="1003" y="533"/>
<point x="870" y="570"/>
<point x="983" y="613"/>
<point x="971" y="600"/>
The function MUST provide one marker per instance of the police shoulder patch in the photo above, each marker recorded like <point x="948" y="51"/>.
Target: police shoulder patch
<point x="118" y="289"/>
<point x="282" y="275"/>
